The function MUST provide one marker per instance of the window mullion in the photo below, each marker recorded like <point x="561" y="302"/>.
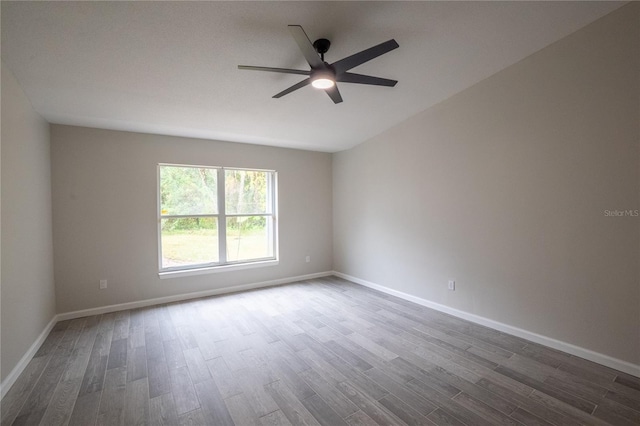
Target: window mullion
<point x="250" y="214"/>
<point x="186" y="216"/>
<point x="222" y="221"/>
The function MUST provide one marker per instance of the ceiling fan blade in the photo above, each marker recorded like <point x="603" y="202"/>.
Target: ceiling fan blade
<point x="280" y="70"/>
<point x="296" y="86"/>
<point x="349" y="77"/>
<point x="334" y="94"/>
<point x="306" y="47"/>
<point x="359" y="58"/>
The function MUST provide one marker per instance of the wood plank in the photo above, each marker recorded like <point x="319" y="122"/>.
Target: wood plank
<point x="162" y="410"/>
<point x="184" y="393"/>
<point x="261" y="401"/>
<point x="186" y="337"/>
<point x="376" y="361"/>
<point x="608" y="409"/>
<point x="136" y="337"/>
<point x="628" y="380"/>
<point x="85" y="410"/>
<point x="341" y="405"/>
<point x="403" y="411"/>
<point x="207" y="345"/>
<point x="624" y="400"/>
<point x="320" y="365"/>
<point x="441" y="386"/>
<point x="525" y="417"/>
<point x="50" y="344"/>
<point x="19" y="392"/>
<point x="359" y="380"/>
<point x="167" y="329"/>
<point x="450" y="407"/>
<point x="367" y="405"/>
<point x="173" y="354"/>
<point x="213" y="408"/>
<point x="528" y="404"/>
<point x="153" y="343"/>
<point x="372" y="347"/>
<point x="290" y="406"/>
<point x="82" y="350"/>
<point x="281" y="350"/>
<point x="583" y="389"/>
<point x="322" y="412"/>
<point x="192" y="418"/>
<point x="241" y="411"/>
<point x="348" y="356"/>
<point x="136" y="363"/>
<point x="494" y="401"/>
<point x="36" y="404"/>
<point x="112" y="402"/>
<point x="544" y="355"/>
<point x="359" y="419"/>
<point x="93" y="379"/>
<point x="293" y="381"/>
<point x="592" y="374"/>
<point x="568" y="410"/>
<point x="412" y="399"/>
<point x="261" y="364"/>
<point x="196" y="365"/>
<point x="158" y="377"/>
<point x="121" y="326"/>
<point x="136" y="409"/>
<point x="59" y="409"/>
<point x="277" y="418"/>
<point x="226" y="382"/>
<point x="441" y="417"/>
<point x="117" y="354"/>
<point x="487" y="412"/>
<point x="558" y="394"/>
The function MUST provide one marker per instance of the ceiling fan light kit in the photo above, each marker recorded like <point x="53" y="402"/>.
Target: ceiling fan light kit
<point x="323" y="83"/>
<point x="323" y="80"/>
<point x="325" y="76"/>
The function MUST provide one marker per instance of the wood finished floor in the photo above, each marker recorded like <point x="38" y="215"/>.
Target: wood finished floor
<point x="325" y="352"/>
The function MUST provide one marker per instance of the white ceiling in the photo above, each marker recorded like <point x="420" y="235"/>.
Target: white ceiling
<point x="171" y="67"/>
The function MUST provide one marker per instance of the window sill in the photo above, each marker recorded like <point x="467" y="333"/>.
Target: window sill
<point x="216" y="269"/>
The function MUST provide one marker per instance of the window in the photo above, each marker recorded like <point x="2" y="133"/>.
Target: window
<point x="215" y="216"/>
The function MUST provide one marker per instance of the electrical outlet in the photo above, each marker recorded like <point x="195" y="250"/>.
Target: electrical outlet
<point x="103" y="284"/>
<point x="307" y="259"/>
<point x="452" y="285"/>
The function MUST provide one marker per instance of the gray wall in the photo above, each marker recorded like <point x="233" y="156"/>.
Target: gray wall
<point x="503" y="188"/>
<point x="105" y="213"/>
<point x="28" y="294"/>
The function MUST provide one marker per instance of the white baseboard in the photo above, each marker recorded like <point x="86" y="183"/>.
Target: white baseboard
<point x="186" y="296"/>
<point x="26" y="359"/>
<point x="581" y="352"/>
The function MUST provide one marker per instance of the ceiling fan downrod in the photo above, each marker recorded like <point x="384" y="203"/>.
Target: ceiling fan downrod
<point x="322" y="46"/>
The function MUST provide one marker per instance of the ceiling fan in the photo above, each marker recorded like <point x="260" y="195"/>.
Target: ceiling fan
<point x="325" y="76"/>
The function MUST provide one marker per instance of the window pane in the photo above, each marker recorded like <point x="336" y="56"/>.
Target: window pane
<point x="246" y="191"/>
<point x="188" y="190"/>
<point x="249" y="237"/>
<point x="189" y="241"/>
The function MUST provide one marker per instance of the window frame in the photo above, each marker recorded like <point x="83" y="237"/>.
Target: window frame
<point x="223" y="264"/>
